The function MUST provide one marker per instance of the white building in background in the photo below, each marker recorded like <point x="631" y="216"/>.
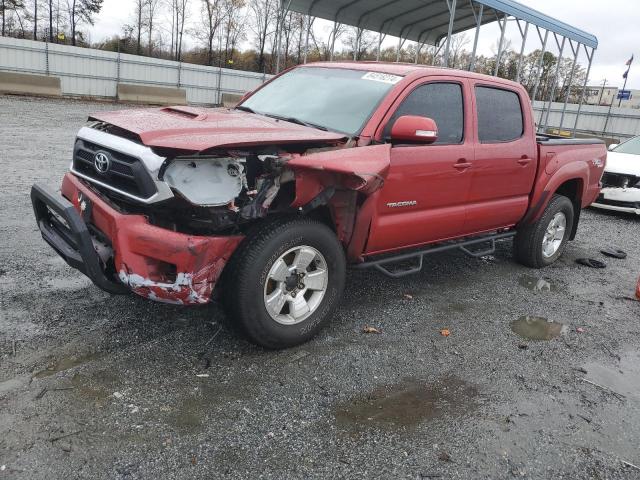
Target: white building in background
<point x="598" y="95"/>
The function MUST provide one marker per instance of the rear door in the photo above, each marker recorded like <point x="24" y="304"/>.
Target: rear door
<point x="505" y="162"/>
<point x="424" y="196"/>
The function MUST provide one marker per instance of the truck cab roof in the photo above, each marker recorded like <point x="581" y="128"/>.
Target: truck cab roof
<point x="411" y="70"/>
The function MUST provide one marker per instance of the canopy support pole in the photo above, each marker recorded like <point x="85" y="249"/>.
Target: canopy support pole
<point x="478" y="17"/>
<point x="584" y="88"/>
<point x="524" y="41"/>
<point x="540" y="60"/>
<point x="401" y="43"/>
<point x="451" y="4"/>
<point x="552" y="93"/>
<point x="575" y="51"/>
<point x="503" y="27"/>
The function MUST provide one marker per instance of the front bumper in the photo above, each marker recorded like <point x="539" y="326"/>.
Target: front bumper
<point x="619" y="200"/>
<point x="121" y="252"/>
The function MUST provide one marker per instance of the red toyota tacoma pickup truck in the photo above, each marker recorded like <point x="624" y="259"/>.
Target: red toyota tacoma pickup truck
<point x="328" y="164"/>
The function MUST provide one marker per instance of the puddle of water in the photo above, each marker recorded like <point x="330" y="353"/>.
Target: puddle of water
<point x="66" y="363"/>
<point x="537" y="284"/>
<point x="622" y="378"/>
<point x="90" y="389"/>
<point x="77" y="282"/>
<point x="408" y="404"/>
<point x="538" y="328"/>
<point x="192" y="411"/>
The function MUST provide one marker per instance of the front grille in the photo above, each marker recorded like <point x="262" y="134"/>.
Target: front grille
<point x="617" y="180"/>
<point x="126" y="173"/>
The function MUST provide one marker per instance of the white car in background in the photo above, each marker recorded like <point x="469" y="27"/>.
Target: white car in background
<point x="621" y="179"/>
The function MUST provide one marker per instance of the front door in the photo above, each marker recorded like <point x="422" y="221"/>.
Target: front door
<point x="424" y="196"/>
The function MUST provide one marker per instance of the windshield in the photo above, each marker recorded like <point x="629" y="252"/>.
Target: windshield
<point x="630" y="146"/>
<point x="336" y="99"/>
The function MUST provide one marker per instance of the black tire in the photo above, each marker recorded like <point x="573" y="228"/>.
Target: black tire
<point x="248" y="271"/>
<point x="527" y="245"/>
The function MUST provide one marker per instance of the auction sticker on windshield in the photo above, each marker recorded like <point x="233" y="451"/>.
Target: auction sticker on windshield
<point x="382" y="77"/>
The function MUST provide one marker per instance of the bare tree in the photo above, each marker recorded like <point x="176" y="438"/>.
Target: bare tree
<point x="360" y="42"/>
<point x="35" y="19"/>
<point x="151" y="10"/>
<point x="211" y="20"/>
<point x="337" y="31"/>
<point x="138" y="23"/>
<point x="81" y="11"/>
<point x="179" y="11"/>
<point x="264" y="13"/>
<point x="233" y="25"/>
<point x="17" y="8"/>
<point x="51" y="20"/>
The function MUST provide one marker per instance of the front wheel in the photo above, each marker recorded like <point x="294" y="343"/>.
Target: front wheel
<point x="285" y="282"/>
<point x="541" y="243"/>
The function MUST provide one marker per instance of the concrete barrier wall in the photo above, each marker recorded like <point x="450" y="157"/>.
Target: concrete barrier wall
<point x="152" y="95"/>
<point x="29" y="84"/>
<point x="230" y="100"/>
<point x="87" y="72"/>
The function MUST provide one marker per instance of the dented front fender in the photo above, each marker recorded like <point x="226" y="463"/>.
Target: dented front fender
<point x="362" y="169"/>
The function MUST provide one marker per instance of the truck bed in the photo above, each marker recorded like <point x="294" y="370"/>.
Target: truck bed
<point x="545" y="139"/>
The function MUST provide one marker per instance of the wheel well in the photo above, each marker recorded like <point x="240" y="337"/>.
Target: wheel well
<point x="323" y="214"/>
<point x="572" y="189"/>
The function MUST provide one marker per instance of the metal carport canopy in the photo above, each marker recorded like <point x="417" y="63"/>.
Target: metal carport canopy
<point x="427" y="21"/>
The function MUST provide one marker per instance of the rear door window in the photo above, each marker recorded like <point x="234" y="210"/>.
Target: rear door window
<point x="441" y="102"/>
<point x="499" y="115"/>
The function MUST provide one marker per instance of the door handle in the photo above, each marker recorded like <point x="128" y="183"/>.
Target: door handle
<point x="524" y="160"/>
<point x="461" y="164"/>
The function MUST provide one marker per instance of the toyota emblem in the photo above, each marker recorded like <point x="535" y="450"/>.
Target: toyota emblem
<point x="102" y="162"/>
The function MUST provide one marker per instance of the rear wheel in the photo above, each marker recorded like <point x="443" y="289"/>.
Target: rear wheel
<point x="543" y="242"/>
<point x="285" y="282"/>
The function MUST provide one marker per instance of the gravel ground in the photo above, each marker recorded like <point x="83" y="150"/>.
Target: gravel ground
<point x="95" y="386"/>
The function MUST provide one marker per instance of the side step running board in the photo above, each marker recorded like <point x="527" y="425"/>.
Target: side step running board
<point x="465" y="245"/>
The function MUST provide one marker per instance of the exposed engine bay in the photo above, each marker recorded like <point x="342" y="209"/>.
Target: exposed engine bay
<point x="218" y="193"/>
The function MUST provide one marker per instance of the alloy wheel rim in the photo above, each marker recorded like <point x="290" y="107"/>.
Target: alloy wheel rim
<point x="295" y="285"/>
<point x="554" y="235"/>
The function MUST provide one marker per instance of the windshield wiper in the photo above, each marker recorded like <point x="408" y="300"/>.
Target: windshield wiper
<point x="244" y="109"/>
<point x="298" y="121"/>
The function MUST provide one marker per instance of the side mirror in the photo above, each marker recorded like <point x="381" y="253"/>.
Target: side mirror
<point x="613" y="146"/>
<point x="414" y="129"/>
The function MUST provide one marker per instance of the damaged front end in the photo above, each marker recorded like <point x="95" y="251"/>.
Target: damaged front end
<point x="163" y="221"/>
<point x="619" y="192"/>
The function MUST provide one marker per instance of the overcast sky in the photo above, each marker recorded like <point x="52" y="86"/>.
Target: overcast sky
<point x="616" y="23"/>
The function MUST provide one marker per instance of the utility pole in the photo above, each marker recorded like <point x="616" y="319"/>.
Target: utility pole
<point x="604" y="84"/>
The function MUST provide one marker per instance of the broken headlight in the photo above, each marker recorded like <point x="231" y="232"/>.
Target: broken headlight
<point x="206" y="181"/>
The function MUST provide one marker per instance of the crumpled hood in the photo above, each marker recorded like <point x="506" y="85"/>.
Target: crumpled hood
<point x="625" y="163"/>
<point x="198" y="129"/>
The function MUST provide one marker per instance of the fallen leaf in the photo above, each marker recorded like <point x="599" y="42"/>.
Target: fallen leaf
<point x="444" y="457"/>
<point x="445" y="332"/>
<point x="523" y="346"/>
<point x="369" y="329"/>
